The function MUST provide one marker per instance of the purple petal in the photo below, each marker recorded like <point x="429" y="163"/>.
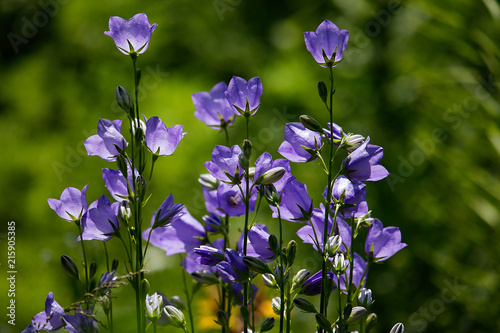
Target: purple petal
<point x="137" y="31"/>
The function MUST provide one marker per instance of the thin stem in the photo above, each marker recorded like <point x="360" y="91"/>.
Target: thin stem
<point x="245" y="231"/>
<point x="351" y="261"/>
<point x="188" y="297"/>
<point x="282" y="278"/>
<point x="85" y="263"/>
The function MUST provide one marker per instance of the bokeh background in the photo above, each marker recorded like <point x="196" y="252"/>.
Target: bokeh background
<point x="421" y="78"/>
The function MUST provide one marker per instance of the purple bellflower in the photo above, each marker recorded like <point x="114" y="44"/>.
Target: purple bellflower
<point x="257" y="243"/>
<point x="362" y="163"/>
<point x="72" y="204"/>
<point x="104" y="144"/>
<point x="168" y="212"/>
<point x="212" y="107"/>
<point x="209" y="255"/>
<point x="100" y="220"/>
<point x="116" y="183"/>
<point x="81" y="322"/>
<point x="327" y="44"/>
<point x="231" y="202"/>
<point x="48" y="320"/>
<point x="312" y="286"/>
<point x="225" y="164"/>
<point x="160" y="140"/>
<point x="132" y="35"/>
<point x="233" y="268"/>
<point x="265" y="163"/>
<point x="353" y="193"/>
<point x="297" y="138"/>
<point x="382" y="243"/>
<point x="180" y="236"/>
<point x="243" y="96"/>
<point x="296" y="205"/>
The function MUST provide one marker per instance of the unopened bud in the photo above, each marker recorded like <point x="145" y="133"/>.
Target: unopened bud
<point x="247" y="148"/>
<point x="356" y="313"/>
<point x="138" y="129"/>
<point x="209" y="181"/>
<point x="304" y="305"/>
<point x="255" y="264"/>
<point x="398" y="328"/>
<point x="124" y="101"/>
<point x="243" y="161"/>
<point x="271" y="176"/>
<point x="322" y="91"/>
<point x="92" y="270"/>
<point x="154" y="305"/>
<point x="365" y="297"/>
<point x="144" y="286"/>
<point x="124" y="212"/>
<point x="333" y="245"/>
<point x="205" y="277"/>
<point x="371" y="320"/>
<point x="276" y="305"/>
<point x="311" y="124"/>
<point x="140" y="186"/>
<point x="299" y="279"/>
<point x="339" y="263"/>
<point x="175" y="316"/>
<point x="271" y="195"/>
<point x="270" y="281"/>
<point x="267" y="325"/>
<point x="222" y="318"/>
<point x="352" y="141"/>
<point x="70" y="267"/>
<point x="291" y="250"/>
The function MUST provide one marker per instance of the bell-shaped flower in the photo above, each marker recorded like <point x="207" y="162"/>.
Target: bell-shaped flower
<point x="180" y="236"/>
<point x="106" y="281"/>
<point x="312" y="286"/>
<point x="232" y="268"/>
<point x="212" y="107"/>
<point x="160" y="140"/>
<point x="327" y="44"/>
<point x="225" y="164"/>
<point x="49" y="319"/>
<point x="100" y="221"/>
<point x="131" y="36"/>
<point x="107" y="141"/>
<point x="382" y="243"/>
<point x="116" y="183"/>
<point x="72" y="204"/>
<point x="81" y="322"/>
<point x="352" y="194"/>
<point x="243" y="96"/>
<point x="363" y="163"/>
<point x="257" y="242"/>
<point x="168" y="212"/>
<point x="296" y="205"/>
<point x="265" y="163"/>
<point x="209" y="254"/>
<point x="231" y="199"/>
<point x="300" y="143"/>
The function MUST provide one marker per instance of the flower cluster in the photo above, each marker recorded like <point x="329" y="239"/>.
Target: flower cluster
<point x="236" y="184"/>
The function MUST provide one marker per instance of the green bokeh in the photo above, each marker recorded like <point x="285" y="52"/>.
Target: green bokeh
<point x="419" y="78"/>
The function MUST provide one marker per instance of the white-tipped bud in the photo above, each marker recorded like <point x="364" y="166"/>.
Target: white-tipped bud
<point x="272" y="176"/>
<point x="270" y="281"/>
<point x="339" y="263"/>
<point x="333" y="245"/>
<point x="276" y="305"/>
<point x="353" y="141"/>
<point x="175" y="316"/>
<point x="124" y="211"/>
<point x="398" y="328"/>
<point x="154" y="304"/>
<point x="138" y="129"/>
<point x="365" y="297"/>
<point x="209" y="181"/>
<point x="356" y="313"/>
<point x="299" y="279"/>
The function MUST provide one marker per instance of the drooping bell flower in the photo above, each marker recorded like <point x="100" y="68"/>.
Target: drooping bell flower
<point x="296" y="205"/>
<point x="100" y="220"/>
<point x="212" y="107"/>
<point x="160" y="140"/>
<point x="326" y="44"/>
<point x="243" y="96"/>
<point x="232" y="268"/>
<point x="104" y="144"/>
<point x="132" y="36"/>
<point x="382" y="243"/>
<point x="225" y="164"/>
<point x="81" y="322"/>
<point x="231" y="201"/>
<point x="352" y="194"/>
<point x="363" y="163"/>
<point x="72" y="204"/>
<point x="300" y="143"/>
<point x="257" y="243"/>
<point x="49" y="319"/>
<point x="168" y="212"/>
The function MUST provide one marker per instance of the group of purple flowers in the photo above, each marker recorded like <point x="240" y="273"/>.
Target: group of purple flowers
<point x="233" y="187"/>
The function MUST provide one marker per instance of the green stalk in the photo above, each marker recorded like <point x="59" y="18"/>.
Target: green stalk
<point x="282" y="277"/>
<point x="189" y="299"/>
<point x="245" y="231"/>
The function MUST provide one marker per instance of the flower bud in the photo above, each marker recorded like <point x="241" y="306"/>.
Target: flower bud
<point x="322" y="91"/>
<point x="222" y="318"/>
<point x="175" y="316"/>
<point x="267" y="325"/>
<point x="209" y="181"/>
<point x="271" y="195"/>
<point x="122" y="164"/>
<point x="339" y="263"/>
<point x="333" y="245"/>
<point x="270" y="281"/>
<point x="299" y="279"/>
<point x="212" y="222"/>
<point x="304" y="305"/>
<point x="291" y="250"/>
<point x="124" y="101"/>
<point x="255" y="264"/>
<point x="205" y="277"/>
<point x="247" y="148"/>
<point x="371" y="320"/>
<point x="243" y="161"/>
<point x="138" y="129"/>
<point x="114" y="264"/>
<point x="365" y="297"/>
<point x="352" y="141"/>
<point x="276" y="305"/>
<point x="70" y="267"/>
<point x="105" y="303"/>
<point x="271" y="176"/>
<point x="92" y="270"/>
<point x="356" y="313"/>
<point x="311" y="124"/>
<point x="140" y="186"/>
<point x="124" y="212"/>
<point x="398" y="328"/>
<point x="144" y="286"/>
<point x="154" y="305"/>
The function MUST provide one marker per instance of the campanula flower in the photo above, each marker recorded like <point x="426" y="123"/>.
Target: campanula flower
<point x="212" y="107"/>
<point x="161" y="140"/>
<point x="257" y="242"/>
<point x="362" y="163"/>
<point x="265" y="163"/>
<point x="213" y="222"/>
<point x="168" y="212"/>
<point x="296" y="138"/>
<point x="243" y="96"/>
<point x="296" y="205"/>
<point x="231" y="202"/>
<point x="116" y="183"/>
<point x="209" y="255"/>
<point x="327" y="44"/>
<point x="225" y="164"/>
<point x="49" y="319"/>
<point x="72" y="204"/>
<point x="232" y="268"/>
<point x="132" y="36"/>
<point x="104" y="144"/>
<point x="382" y="243"/>
<point x="353" y="194"/>
<point x="312" y="286"/>
<point x="106" y="281"/>
<point x="81" y="322"/>
<point x="154" y="306"/>
<point x="96" y="222"/>
<point x="180" y="236"/>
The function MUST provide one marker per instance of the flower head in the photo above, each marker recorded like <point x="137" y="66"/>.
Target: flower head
<point x="161" y="140"/>
<point x="243" y="96"/>
<point x="131" y="36"/>
<point x="265" y="163"/>
<point x="81" y="322"/>
<point x="231" y="202"/>
<point x="299" y="143"/>
<point x="212" y="107"/>
<point x="257" y="242"/>
<point x="296" y="205"/>
<point x="49" y="319"/>
<point x="225" y="164"/>
<point x="108" y="138"/>
<point x="326" y="44"/>
<point x="168" y="212"/>
<point x="72" y="204"/>
<point x="352" y="194"/>
<point x="362" y="163"/>
<point x="100" y="221"/>
<point x="382" y="243"/>
<point x="232" y="268"/>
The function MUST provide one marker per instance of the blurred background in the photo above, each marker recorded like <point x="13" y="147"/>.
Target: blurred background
<point x="421" y="78"/>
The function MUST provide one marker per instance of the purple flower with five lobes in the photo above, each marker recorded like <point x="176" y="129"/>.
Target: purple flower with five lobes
<point x="131" y="36"/>
<point x="160" y="140"/>
<point x="327" y="44"/>
<point x="168" y="212"/>
<point x="100" y="221"/>
<point x="212" y="107"/>
<point x="81" y="322"/>
<point x="243" y="96"/>
<point x="231" y="202"/>
<point x="108" y="140"/>
<point x="257" y="243"/>
<point x="296" y="205"/>
<point x="382" y="243"/>
<point x="49" y="319"/>
<point x="225" y="164"/>
<point x="182" y="235"/>
<point x="353" y="194"/>
<point x="213" y="222"/>
<point x="312" y="286"/>
<point x="116" y="183"/>
<point x="299" y="143"/>
<point x="314" y="236"/>
<point x="233" y="268"/>
<point x="209" y="255"/>
<point x="362" y="163"/>
<point x="72" y="204"/>
<point x="265" y="163"/>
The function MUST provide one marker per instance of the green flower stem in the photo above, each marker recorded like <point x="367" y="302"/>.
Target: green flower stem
<point x="340" y="304"/>
<point x="282" y="278"/>
<point x="351" y="261"/>
<point x="85" y="263"/>
<point x="245" y="231"/>
<point x="189" y="298"/>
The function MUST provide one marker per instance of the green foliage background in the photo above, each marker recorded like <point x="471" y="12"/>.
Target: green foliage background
<point x="418" y="77"/>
